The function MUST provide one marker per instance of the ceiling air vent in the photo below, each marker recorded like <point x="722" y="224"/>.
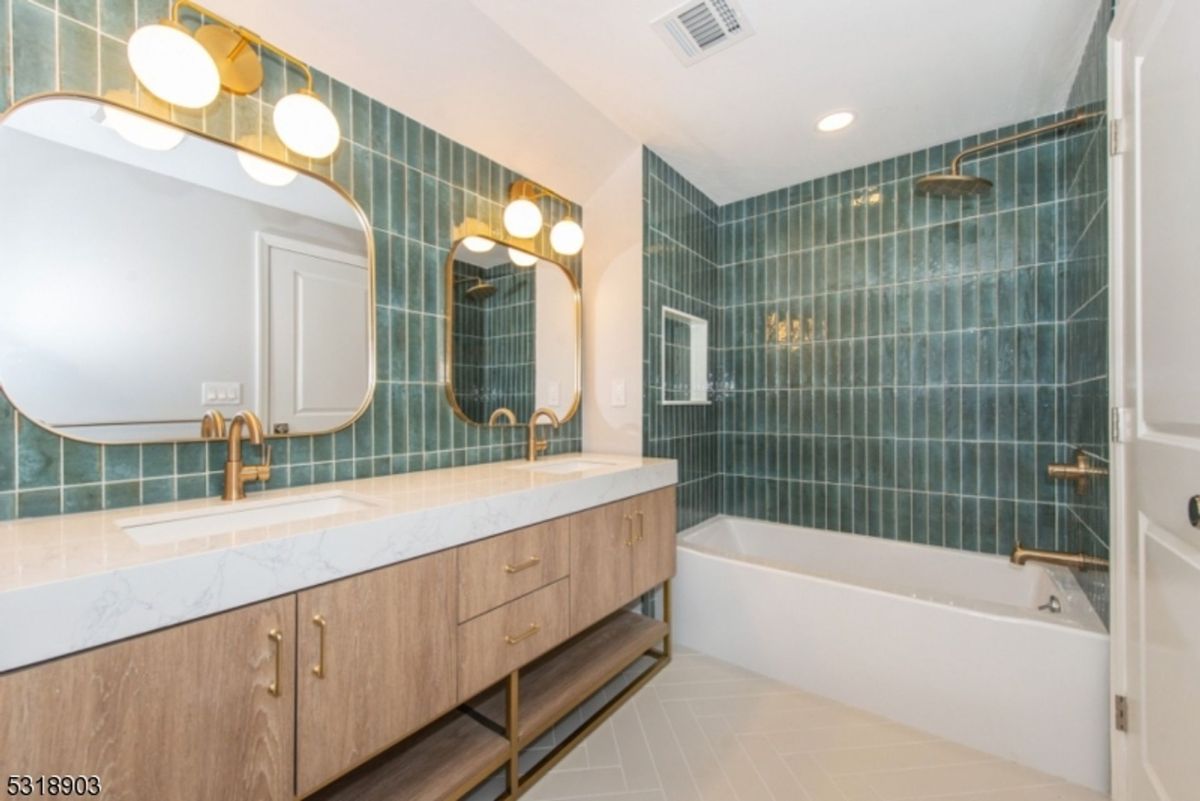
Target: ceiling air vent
<point x="698" y="29"/>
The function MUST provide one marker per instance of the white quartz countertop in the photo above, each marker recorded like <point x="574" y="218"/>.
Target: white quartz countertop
<point x="73" y="582"/>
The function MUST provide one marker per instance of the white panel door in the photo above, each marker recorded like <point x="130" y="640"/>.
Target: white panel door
<point x="1155" y="95"/>
<point x="318" y="372"/>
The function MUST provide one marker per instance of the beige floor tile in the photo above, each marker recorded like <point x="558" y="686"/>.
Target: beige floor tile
<point x="633" y="750"/>
<point x="896" y="757"/>
<point x="702" y="761"/>
<point x="772" y="769"/>
<point x="734" y="760"/>
<point x="828" y="738"/>
<point x="589" y="782"/>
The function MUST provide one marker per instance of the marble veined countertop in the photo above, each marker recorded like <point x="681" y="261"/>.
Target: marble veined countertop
<point x="73" y="582"/>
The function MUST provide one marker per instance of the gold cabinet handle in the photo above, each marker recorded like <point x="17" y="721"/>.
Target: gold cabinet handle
<point x="641" y="535"/>
<point x="319" y="668"/>
<point x="629" y="537"/>
<point x="275" y="688"/>
<point x="528" y="563"/>
<point x="513" y="639"/>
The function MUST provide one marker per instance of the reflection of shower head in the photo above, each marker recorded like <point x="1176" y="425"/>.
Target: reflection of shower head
<point x="482" y="290"/>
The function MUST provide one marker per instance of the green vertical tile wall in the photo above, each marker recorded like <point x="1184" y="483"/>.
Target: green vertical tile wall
<point x="415" y="186"/>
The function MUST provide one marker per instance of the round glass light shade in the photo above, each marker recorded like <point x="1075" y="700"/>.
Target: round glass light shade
<point x="265" y="172"/>
<point x="835" y="121"/>
<point x="566" y="237"/>
<point x="306" y="125"/>
<point x="521" y="258"/>
<point x="477" y="244"/>
<point x="176" y="68"/>
<point x="140" y="131"/>
<point x="522" y="218"/>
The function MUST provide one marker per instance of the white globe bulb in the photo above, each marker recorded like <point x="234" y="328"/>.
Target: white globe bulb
<point x="477" y="244"/>
<point x="521" y="258"/>
<point x="264" y="171"/>
<point x="523" y="219"/>
<point x="566" y="237"/>
<point x="169" y="62"/>
<point x="306" y="125"/>
<point x="141" y="131"/>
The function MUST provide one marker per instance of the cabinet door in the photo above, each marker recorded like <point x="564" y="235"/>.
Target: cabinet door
<point x="184" y="713"/>
<point x="601" y="562"/>
<point x="387" y="666"/>
<point x="654" y="549"/>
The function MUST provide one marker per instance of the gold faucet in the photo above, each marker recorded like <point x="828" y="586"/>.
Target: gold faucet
<point x="212" y="426"/>
<point x="1081" y="471"/>
<point x="236" y="473"/>
<point x="536" y="445"/>
<point x="1080" y="561"/>
<point x="503" y="412"/>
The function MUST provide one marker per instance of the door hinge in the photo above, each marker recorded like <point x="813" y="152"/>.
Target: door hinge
<point x="1121" y="712"/>
<point x="1119" y="423"/>
<point x="1116" y="137"/>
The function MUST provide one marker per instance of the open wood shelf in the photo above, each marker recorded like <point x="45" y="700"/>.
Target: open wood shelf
<point x="439" y="763"/>
<point x="566" y="677"/>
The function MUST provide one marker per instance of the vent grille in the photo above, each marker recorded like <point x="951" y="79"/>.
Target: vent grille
<point x="697" y="30"/>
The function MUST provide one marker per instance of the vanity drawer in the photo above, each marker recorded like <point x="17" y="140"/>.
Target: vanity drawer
<point x="493" y="645"/>
<point x="494" y="571"/>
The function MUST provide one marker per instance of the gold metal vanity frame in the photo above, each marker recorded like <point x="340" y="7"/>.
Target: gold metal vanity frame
<point x="372" y="345"/>
<point x="448" y="381"/>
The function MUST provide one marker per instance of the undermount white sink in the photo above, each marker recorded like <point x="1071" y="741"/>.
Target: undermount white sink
<point x="563" y="467"/>
<point x="239" y="517"/>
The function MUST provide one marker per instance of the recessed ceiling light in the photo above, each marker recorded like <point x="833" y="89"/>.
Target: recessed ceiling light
<point x="835" y="121"/>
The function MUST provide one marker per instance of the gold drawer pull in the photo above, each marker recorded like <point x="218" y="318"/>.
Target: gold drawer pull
<point x="275" y="688"/>
<point x="513" y="639"/>
<point x="319" y="668"/>
<point x="641" y="535"/>
<point x="629" y="537"/>
<point x="532" y="561"/>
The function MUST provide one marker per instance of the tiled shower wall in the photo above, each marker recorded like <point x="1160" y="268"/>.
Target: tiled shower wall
<point x="1085" y="232"/>
<point x="415" y="186"/>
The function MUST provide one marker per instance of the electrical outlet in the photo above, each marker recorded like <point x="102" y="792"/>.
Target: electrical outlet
<point x="618" y="393"/>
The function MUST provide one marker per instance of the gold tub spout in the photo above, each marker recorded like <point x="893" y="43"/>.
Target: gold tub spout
<point x="1081" y="471"/>
<point x="1081" y="561"/>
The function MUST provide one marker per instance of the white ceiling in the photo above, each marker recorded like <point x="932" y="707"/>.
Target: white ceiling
<point x="917" y="73"/>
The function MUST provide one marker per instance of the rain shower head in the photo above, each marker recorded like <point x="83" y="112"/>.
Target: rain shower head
<point x="482" y="290"/>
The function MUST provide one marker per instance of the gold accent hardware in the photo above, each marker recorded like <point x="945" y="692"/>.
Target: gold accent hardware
<point x="1081" y="561"/>
<point x="641" y="531"/>
<point x="212" y="425"/>
<point x="1081" y="472"/>
<point x="628" y="537"/>
<point x="513" y="639"/>
<point x="503" y="412"/>
<point x="236" y="473"/>
<point x="532" y="561"/>
<point x="477" y="228"/>
<point x="319" y="668"/>
<point x="536" y="445"/>
<point x="275" y="688"/>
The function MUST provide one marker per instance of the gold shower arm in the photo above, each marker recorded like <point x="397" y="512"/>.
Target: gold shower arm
<point x="1078" y="119"/>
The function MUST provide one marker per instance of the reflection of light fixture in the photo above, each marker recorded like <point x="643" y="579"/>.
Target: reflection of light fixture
<point x="566" y="237"/>
<point x="139" y="130"/>
<point x="521" y="258"/>
<point x="477" y="244"/>
<point x="190" y="71"/>
<point x="835" y="121"/>
<point x="523" y="218"/>
<point x="264" y="171"/>
<point x="173" y="65"/>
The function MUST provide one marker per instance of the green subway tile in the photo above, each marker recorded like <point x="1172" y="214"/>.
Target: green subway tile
<point x="150" y="11"/>
<point x="34" y="60"/>
<point x="115" y="73"/>
<point x="39" y="456"/>
<point x="158" y="460"/>
<point x="123" y="494"/>
<point x="5" y="67"/>
<point x="81" y="462"/>
<point x="190" y="487"/>
<point x="39" y="503"/>
<point x="117" y="18"/>
<point x="89" y="498"/>
<point x="122" y="462"/>
<point x="158" y="490"/>
<point x="8" y="442"/>
<point x="8" y="506"/>
<point x="191" y="457"/>
<point x="84" y="11"/>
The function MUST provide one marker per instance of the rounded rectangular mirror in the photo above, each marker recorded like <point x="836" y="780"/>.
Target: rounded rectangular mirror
<point x="153" y="274"/>
<point x="514" y="334"/>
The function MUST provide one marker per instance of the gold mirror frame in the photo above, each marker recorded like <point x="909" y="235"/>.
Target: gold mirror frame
<point x="448" y="378"/>
<point x="372" y="375"/>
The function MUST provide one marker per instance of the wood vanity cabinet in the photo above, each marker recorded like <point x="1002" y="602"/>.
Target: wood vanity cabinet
<point x="190" y="712"/>
<point x="376" y="661"/>
<point x="618" y="552"/>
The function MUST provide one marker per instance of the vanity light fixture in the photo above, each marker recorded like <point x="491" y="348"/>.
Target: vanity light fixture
<point x="521" y="258"/>
<point x="139" y="130"/>
<point x="477" y="244"/>
<point x="523" y="218"/>
<point x="836" y="121"/>
<point x="189" y="70"/>
<point x="264" y="171"/>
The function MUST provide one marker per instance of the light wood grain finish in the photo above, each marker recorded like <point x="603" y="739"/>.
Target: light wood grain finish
<point x="485" y="651"/>
<point x="654" y="549"/>
<point x="440" y="763"/>
<point x="389" y="664"/>
<point x="182" y="713"/>
<point x="601" y="562"/>
<point x="494" y="571"/>
<point x="568" y="676"/>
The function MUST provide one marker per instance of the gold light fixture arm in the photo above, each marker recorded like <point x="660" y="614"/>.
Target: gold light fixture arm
<point x="525" y="189"/>
<point x="1078" y="119"/>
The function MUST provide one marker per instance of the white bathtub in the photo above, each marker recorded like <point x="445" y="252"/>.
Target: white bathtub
<point x="946" y="641"/>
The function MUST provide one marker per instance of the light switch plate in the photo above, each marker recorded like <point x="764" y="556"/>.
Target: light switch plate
<point x="221" y="393"/>
<point x="618" y="393"/>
